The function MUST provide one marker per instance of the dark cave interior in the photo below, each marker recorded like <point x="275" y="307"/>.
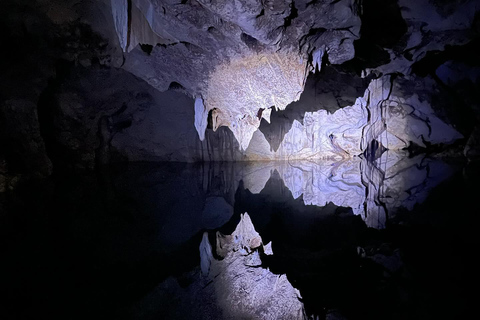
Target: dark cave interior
<point x="247" y="159"/>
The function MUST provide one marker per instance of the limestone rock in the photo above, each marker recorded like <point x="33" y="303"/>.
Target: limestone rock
<point x="267" y="249"/>
<point x="149" y="129"/>
<point x="322" y="136"/>
<point x="245" y="238"/>
<point x="235" y="287"/>
<point x="201" y="114"/>
<point x="120" y="17"/>
<point x="393" y="117"/>
<point x="371" y="189"/>
<point x="247" y="77"/>
<point x="240" y="56"/>
<point x="447" y="23"/>
<point x="396" y="181"/>
<point x="256" y="176"/>
<point x="240" y="89"/>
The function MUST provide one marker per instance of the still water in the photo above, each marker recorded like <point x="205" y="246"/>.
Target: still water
<point x="394" y="238"/>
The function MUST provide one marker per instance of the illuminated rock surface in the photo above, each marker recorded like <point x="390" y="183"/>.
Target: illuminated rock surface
<point x="384" y="113"/>
<point x="246" y="61"/>
<point x="146" y="128"/>
<point x="241" y="56"/>
<point x="130" y="134"/>
<point x="240" y="90"/>
<point x="143" y="210"/>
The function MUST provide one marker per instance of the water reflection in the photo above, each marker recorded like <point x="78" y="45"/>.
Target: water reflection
<point x="124" y="243"/>
<point x="373" y="189"/>
<point x="315" y="218"/>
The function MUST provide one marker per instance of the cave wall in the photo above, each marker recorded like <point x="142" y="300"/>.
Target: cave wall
<point x="124" y="119"/>
<point x="239" y="56"/>
<point x="43" y="39"/>
<point x="87" y="83"/>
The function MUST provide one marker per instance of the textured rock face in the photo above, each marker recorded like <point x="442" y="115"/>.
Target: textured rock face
<point x="45" y="37"/>
<point x="219" y="49"/>
<point x="430" y="26"/>
<point x="241" y="90"/>
<point x="240" y="286"/>
<point x="395" y="181"/>
<point x="127" y="120"/>
<point x="241" y="57"/>
<point x="399" y="117"/>
<point x="237" y="286"/>
<point x="385" y="113"/>
<point x="322" y="136"/>
<point x="229" y="67"/>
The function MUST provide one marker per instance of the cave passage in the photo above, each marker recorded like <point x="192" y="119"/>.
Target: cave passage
<point x="239" y="159"/>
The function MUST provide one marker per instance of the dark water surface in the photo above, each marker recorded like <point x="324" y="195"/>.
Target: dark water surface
<point x="392" y="239"/>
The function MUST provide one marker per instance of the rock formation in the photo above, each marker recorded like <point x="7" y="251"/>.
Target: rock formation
<point x="385" y="113"/>
<point x="242" y="57"/>
<point x="137" y="134"/>
<point x="241" y="90"/>
<point x="209" y="74"/>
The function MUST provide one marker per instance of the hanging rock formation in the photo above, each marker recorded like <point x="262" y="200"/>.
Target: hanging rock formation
<point x="242" y="57"/>
<point x="385" y="113"/>
<point x="198" y="78"/>
<point x="143" y="126"/>
<point x="241" y="90"/>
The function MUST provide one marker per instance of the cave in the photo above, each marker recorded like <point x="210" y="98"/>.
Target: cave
<point x="239" y="159"/>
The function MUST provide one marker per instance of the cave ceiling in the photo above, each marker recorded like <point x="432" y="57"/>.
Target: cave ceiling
<point x="93" y="82"/>
<point x="244" y="57"/>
